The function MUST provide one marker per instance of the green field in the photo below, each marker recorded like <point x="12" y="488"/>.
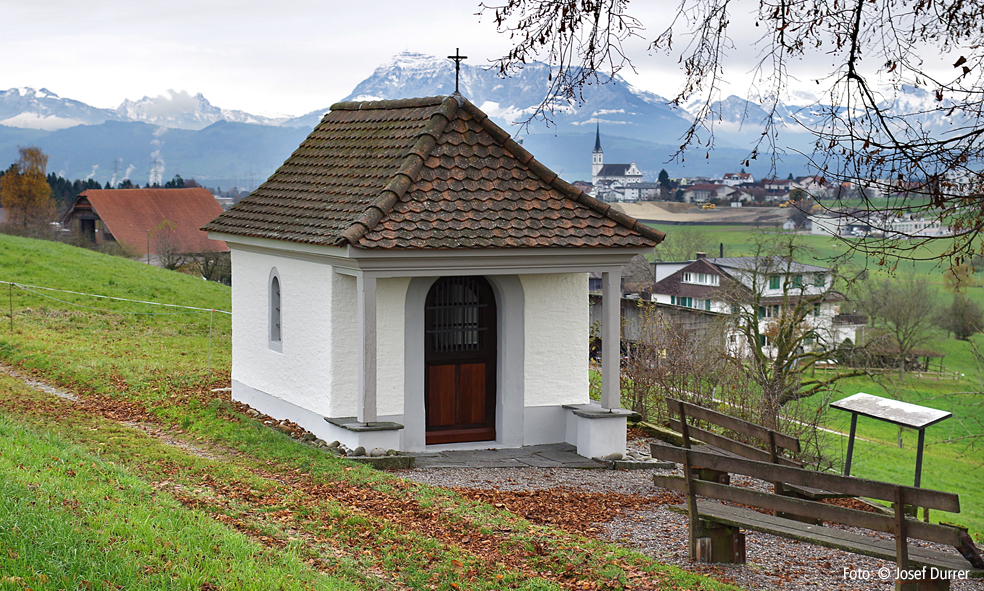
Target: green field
<point x="153" y="479"/>
<point x="954" y="458"/>
<point x="826" y="251"/>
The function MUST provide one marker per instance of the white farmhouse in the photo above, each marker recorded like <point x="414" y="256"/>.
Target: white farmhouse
<point x="733" y="179"/>
<point x="710" y="284"/>
<point x="412" y="278"/>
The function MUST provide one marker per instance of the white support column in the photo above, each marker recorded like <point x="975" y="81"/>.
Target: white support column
<point x="366" y="410"/>
<point x="611" y="339"/>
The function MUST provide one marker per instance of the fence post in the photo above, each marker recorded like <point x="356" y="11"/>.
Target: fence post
<point x="208" y="363"/>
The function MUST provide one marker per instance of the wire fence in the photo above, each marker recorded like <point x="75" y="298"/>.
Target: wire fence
<point x="179" y="309"/>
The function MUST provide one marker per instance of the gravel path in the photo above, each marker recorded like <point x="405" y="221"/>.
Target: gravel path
<point x="773" y="562"/>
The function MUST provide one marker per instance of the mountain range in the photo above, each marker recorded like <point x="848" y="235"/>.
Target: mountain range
<point x="154" y="138"/>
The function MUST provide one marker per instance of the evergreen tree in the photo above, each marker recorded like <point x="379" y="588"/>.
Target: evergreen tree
<point x="664" y="179"/>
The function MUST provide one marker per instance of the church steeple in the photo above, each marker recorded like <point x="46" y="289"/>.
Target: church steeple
<point x="597" y="156"/>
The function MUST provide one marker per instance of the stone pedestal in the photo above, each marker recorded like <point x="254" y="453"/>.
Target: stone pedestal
<point x="352" y="433"/>
<point x="597" y="432"/>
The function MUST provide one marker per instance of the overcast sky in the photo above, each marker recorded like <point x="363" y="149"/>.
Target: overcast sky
<point x="266" y="57"/>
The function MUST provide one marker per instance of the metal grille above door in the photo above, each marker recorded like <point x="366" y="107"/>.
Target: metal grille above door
<point x="460" y="355"/>
<point x="455" y="312"/>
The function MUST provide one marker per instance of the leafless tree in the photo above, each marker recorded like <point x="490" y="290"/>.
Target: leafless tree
<point x="637" y="275"/>
<point x="679" y="355"/>
<point x="167" y="245"/>
<point x="905" y="308"/>
<point x="210" y="264"/>
<point x="964" y="317"/>
<point x="683" y="244"/>
<point x="777" y="314"/>
<point x="864" y="128"/>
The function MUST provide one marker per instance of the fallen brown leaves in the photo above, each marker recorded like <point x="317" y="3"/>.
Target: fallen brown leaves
<point x="850" y="504"/>
<point x="295" y="507"/>
<point x="569" y="509"/>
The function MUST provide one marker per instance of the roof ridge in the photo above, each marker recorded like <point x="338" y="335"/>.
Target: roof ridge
<point x="429" y="101"/>
<point x="551" y="178"/>
<point x="407" y="175"/>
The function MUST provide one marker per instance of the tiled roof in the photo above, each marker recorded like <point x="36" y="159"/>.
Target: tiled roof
<point x="615" y="170"/>
<point x="762" y="265"/>
<point x="130" y="213"/>
<point x="423" y="174"/>
<point x="673" y="284"/>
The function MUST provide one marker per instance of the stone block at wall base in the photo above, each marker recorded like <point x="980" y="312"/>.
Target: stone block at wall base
<point x="351" y="433"/>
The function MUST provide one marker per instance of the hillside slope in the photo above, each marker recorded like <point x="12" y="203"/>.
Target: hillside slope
<point x="180" y="488"/>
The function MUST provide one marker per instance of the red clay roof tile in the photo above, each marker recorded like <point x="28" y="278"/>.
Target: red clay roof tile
<point x="130" y="213"/>
<point x="423" y="173"/>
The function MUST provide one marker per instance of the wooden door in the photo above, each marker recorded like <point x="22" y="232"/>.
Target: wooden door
<point x="459" y="360"/>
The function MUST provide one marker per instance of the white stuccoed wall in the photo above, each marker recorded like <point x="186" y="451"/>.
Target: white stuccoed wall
<point x="301" y="373"/>
<point x="315" y="375"/>
<point x="343" y="379"/>
<point x="391" y="301"/>
<point x="317" y="368"/>
<point x="557" y="326"/>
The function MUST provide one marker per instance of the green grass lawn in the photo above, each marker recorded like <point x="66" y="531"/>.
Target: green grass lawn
<point x="154" y="480"/>
<point x="79" y="338"/>
<point x="71" y="519"/>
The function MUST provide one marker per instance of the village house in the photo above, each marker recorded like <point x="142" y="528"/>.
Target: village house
<point x="859" y="223"/>
<point x="733" y="179"/>
<point x="136" y="218"/>
<point x="777" y="189"/>
<point x="714" y="284"/>
<point x="705" y="192"/>
<point x="814" y="185"/>
<point x="412" y="278"/>
<point x="641" y="192"/>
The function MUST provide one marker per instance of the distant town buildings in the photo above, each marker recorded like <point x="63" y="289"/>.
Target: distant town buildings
<point x="611" y="180"/>
<point x="625" y="183"/>
<point x="860" y="223"/>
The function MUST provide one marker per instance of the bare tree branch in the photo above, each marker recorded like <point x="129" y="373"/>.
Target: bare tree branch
<point x="865" y="128"/>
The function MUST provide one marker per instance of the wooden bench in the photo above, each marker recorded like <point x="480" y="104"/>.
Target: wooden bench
<point x="715" y="528"/>
<point x="773" y="441"/>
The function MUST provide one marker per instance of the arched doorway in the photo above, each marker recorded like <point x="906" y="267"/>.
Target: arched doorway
<point x="460" y="349"/>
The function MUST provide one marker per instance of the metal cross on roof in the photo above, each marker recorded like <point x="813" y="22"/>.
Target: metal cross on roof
<point x="457" y="58"/>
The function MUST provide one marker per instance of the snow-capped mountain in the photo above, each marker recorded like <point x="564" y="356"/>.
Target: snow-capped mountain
<point x="618" y="107"/>
<point x="28" y="108"/>
<point x="741" y="121"/>
<point x="180" y="110"/>
<point x="42" y="109"/>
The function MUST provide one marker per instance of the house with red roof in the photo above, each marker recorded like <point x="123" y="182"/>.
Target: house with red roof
<point x="134" y="218"/>
<point x="412" y="278"/>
